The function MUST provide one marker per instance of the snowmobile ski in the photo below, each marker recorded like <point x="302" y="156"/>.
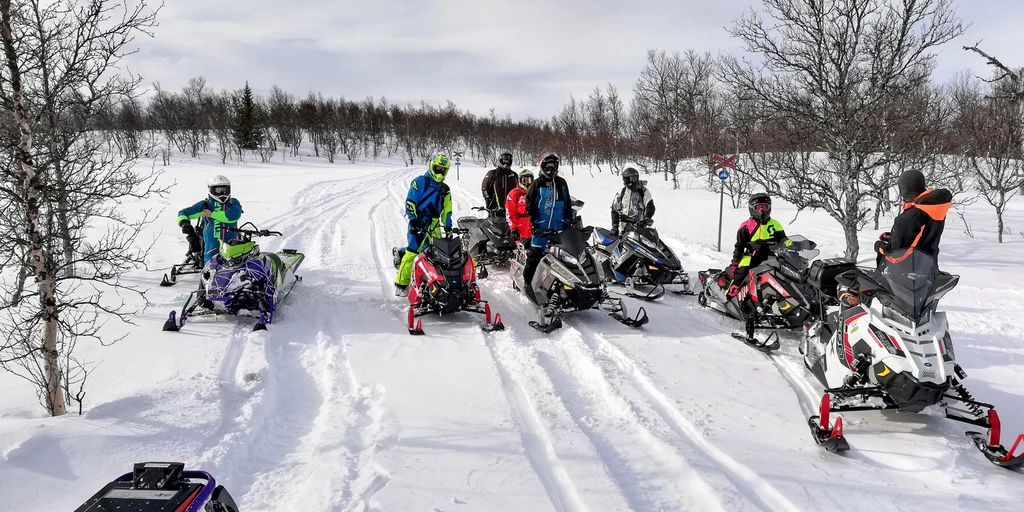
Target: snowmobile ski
<point x="768" y="345"/>
<point x="829" y="438"/>
<point x="548" y="328"/>
<point x="991" y="447"/>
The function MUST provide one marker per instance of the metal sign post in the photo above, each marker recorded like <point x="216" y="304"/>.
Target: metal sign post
<point x="720" y="164"/>
<point x="458" y="162"/>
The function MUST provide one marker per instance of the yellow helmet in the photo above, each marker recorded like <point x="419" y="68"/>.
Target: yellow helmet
<point x="439" y="166"/>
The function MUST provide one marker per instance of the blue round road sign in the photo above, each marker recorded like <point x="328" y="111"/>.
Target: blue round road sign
<point x="723" y="175"/>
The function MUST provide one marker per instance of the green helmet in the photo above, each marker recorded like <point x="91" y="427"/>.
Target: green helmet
<point x="439" y="166"/>
<point x="525" y="178"/>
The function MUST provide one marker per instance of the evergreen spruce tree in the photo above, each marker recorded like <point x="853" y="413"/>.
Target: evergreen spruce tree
<point x="247" y="132"/>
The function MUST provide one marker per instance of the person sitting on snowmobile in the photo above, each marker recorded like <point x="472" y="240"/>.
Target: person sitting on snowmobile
<point x="219" y="211"/>
<point x="428" y="205"/>
<point x="633" y="204"/>
<point x="498" y="182"/>
<point x="515" y="208"/>
<point x="919" y="226"/>
<point x="550" y="208"/>
<point x="749" y="250"/>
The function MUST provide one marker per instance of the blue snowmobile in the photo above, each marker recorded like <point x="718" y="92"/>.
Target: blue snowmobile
<point x="242" y="281"/>
<point x="161" y="487"/>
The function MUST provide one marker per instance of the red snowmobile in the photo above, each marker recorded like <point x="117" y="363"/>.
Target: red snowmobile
<point x="444" y="282"/>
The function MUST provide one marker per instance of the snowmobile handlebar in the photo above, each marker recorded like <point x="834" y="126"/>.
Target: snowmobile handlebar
<point x="254" y="232"/>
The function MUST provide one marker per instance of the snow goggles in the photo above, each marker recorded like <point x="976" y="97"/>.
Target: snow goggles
<point x="526" y="180"/>
<point x="220" y="190"/>
<point x="505" y="160"/>
<point x="761" y="207"/>
<point x="549" y="164"/>
<point x="441" y="170"/>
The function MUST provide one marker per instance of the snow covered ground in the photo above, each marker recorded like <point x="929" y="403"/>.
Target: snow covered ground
<point x="336" y="408"/>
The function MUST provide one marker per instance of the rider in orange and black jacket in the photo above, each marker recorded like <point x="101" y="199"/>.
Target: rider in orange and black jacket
<point x="919" y="226"/>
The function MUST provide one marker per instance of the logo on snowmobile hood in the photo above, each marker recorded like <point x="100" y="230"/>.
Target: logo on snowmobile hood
<point x="929" y="365"/>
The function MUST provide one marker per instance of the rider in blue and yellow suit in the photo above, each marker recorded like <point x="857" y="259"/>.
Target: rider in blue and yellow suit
<point x="220" y="210"/>
<point x="428" y="205"/>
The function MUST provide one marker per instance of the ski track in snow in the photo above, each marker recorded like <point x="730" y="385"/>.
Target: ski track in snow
<point x="304" y="400"/>
<point x="588" y="392"/>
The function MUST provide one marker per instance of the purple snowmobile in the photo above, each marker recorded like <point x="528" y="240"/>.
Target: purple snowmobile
<point x="161" y="487"/>
<point x="242" y="281"/>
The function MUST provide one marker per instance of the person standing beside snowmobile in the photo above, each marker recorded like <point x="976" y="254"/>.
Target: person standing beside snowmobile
<point x="219" y="210"/>
<point x="750" y="250"/>
<point x="498" y="182"/>
<point x="549" y="208"/>
<point x="919" y="226"/>
<point x="515" y="208"/>
<point x="428" y="205"/>
<point x="633" y="205"/>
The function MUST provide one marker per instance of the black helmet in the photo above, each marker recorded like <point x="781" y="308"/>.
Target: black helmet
<point x="549" y="166"/>
<point x="630" y="177"/>
<point x="760" y="206"/>
<point x="911" y="185"/>
<point x="505" y="161"/>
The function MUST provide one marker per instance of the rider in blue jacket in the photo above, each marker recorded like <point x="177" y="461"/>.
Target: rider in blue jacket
<point x="550" y="209"/>
<point x="219" y="211"/>
<point x="428" y="205"/>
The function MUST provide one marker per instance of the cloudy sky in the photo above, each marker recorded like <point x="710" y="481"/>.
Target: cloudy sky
<point x="522" y="57"/>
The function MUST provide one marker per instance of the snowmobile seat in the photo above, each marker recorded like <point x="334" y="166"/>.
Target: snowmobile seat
<point x="823" y="273"/>
<point x="605" y="236"/>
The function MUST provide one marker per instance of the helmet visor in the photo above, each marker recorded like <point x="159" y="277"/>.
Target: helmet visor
<point x="220" y="190"/>
<point x="526" y="180"/>
<point x="440" y="170"/>
<point x="761" y="207"/>
<point x="505" y="160"/>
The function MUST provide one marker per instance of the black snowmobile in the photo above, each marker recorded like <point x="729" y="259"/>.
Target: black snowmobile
<point x="640" y="261"/>
<point x="567" y="279"/>
<point x="161" y="487"/>
<point x="775" y="296"/>
<point x="490" y="240"/>
<point x="444" y="282"/>
<point x="193" y="263"/>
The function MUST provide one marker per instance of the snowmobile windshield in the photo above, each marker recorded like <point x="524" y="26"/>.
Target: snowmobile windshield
<point x="798" y="252"/>
<point x="650" y="238"/>
<point x="446" y="252"/>
<point x="911" y="277"/>
<point x="236" y="249"/>
<point x="572" y="241"/>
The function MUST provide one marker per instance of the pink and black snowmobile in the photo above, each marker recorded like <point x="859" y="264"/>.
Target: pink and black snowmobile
<point x="444" y="282"/>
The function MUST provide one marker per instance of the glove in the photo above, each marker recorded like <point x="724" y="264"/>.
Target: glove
<point x="415" y="229"/>
<point x="648" y="222"/>
<point x="614" y="232"/>
<point x="186" y="228"/>
<point x="885" y="237"/>
<point x="881" y="246"/>
<point x="734" y="290"/>
<point x="732" y="268"/>
<point x="515" y="234"/>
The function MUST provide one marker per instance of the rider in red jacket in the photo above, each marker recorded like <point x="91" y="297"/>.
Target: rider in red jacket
<point x="515" y="208"/>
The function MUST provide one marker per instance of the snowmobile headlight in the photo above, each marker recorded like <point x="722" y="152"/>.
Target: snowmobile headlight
<point x="792" y="274"/>
<point x="892" y="314"/>
<point x="565" y="256"/>
<point x="563" y="273"/>
<point x="947" y="346"/>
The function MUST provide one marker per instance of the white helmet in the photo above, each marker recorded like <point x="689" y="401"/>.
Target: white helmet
<point x="220" y="188"/>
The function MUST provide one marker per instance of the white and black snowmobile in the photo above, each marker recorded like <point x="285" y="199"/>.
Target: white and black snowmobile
<point x="776" y="294"/>
<point x="885" y="346"/>
<point x="489" y="239"/>
<point x="567" y="279"/>
<point x="242" y="281"/>
<point x="193" y="263"/>
<point x="639" y="261"/>
<point x="444" y="282"/>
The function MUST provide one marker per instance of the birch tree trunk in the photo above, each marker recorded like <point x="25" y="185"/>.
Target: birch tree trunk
<point x="37" y="256"/>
